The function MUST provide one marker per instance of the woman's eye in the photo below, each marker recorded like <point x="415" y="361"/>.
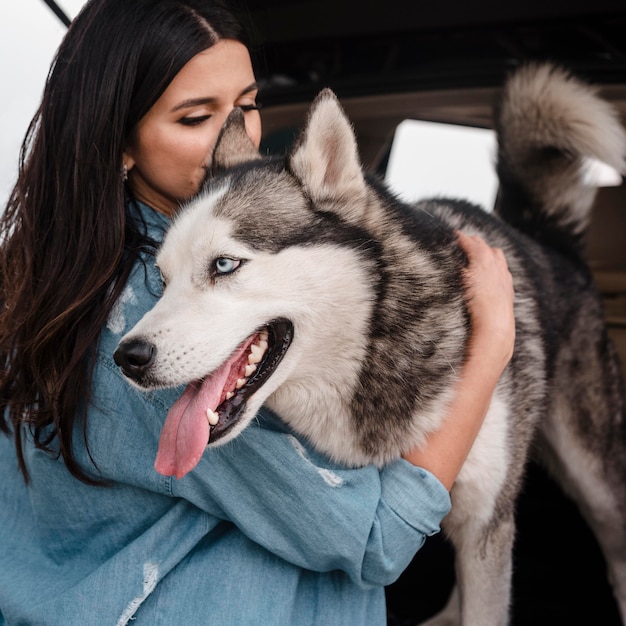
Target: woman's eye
<point x="257" y="106"/>
<point x="193" y="121"/>
<point x="224" y="265"/>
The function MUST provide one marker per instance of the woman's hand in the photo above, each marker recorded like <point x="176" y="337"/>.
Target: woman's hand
<point x="489" y="287"/>
<point x="490" y="296"/>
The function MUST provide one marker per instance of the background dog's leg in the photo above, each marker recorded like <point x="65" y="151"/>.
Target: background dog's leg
<point x="597" y="483"/>
<point x="613" y="544"/>
<point x="483" y="571"/>
<point x="484" y="558"/>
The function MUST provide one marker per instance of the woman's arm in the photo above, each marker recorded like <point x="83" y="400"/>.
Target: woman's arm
<point x="490" y="298"/>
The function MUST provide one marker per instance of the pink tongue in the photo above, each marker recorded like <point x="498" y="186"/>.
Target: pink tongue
<point x="186" y="431"/>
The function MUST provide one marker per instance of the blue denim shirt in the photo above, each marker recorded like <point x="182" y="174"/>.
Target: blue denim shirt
<point x="263" y="531"/>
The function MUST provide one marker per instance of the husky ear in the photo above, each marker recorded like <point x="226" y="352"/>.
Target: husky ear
<point x="233" y="146"/>
<point x="325" y="158"/>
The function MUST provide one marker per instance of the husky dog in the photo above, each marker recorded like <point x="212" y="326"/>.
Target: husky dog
<point x="303" y="284"/>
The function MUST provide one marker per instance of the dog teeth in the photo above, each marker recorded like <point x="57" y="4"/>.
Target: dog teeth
<point x="212" y="416"/>
<point x="256" y="353"/>
<point x="257" y="350"/>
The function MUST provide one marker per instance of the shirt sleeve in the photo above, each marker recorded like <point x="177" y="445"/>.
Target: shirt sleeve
<point x="313" y="513"/>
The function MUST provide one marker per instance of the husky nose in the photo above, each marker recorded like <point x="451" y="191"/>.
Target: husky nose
<point x="134" y="357"/>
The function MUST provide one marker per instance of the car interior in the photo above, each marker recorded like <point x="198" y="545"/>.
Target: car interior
<point x="445" y="62"/>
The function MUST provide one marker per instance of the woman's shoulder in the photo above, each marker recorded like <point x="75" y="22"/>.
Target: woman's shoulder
<point x="140" y="293"/>
<point x="143" y="287"/>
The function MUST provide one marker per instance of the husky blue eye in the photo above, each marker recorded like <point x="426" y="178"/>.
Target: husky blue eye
<point x="224" y="265"/>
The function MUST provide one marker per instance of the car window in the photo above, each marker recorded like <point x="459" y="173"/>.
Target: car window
<point x="29" y="35"/>
<point x="429" y="159"/>
<point x="434" y="159"/>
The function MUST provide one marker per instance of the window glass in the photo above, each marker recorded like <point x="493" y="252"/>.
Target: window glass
<point x="29" y="36"/>
<point x="431" y="159"/>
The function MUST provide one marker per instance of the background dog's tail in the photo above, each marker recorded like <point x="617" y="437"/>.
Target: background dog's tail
<point x="552" y="129"/>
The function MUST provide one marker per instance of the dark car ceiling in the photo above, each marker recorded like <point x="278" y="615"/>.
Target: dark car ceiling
<point x="371" y="47"/>
<point x="367" y="47"/>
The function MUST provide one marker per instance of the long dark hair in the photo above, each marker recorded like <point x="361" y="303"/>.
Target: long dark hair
<point x="66" y="242"/>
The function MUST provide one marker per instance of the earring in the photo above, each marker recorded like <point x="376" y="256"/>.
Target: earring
<point x="124" y="172"/>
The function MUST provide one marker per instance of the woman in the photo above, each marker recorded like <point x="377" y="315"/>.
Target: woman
<point x="263" y="531"/>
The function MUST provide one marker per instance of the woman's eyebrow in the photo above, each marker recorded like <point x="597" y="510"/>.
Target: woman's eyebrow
<point x="252" y="87"/>
<point x="193" y="102"/>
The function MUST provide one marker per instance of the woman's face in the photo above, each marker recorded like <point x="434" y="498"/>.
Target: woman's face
<point x="171" y="145"/>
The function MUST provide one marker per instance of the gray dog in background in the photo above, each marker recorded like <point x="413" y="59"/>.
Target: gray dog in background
<point x="303" y="284"/>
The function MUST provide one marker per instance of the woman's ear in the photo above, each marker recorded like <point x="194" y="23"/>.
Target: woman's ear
<point x="127" y="164"/>
<point x="127" y="161"/>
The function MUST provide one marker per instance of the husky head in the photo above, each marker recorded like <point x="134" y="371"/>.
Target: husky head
<point x="258" y="288"/>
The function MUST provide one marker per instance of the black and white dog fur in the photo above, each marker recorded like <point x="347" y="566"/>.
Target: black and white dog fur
<point x="358" y="302"/>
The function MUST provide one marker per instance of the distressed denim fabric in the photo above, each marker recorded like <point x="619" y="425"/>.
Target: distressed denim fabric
<point x="262" y="531"/>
